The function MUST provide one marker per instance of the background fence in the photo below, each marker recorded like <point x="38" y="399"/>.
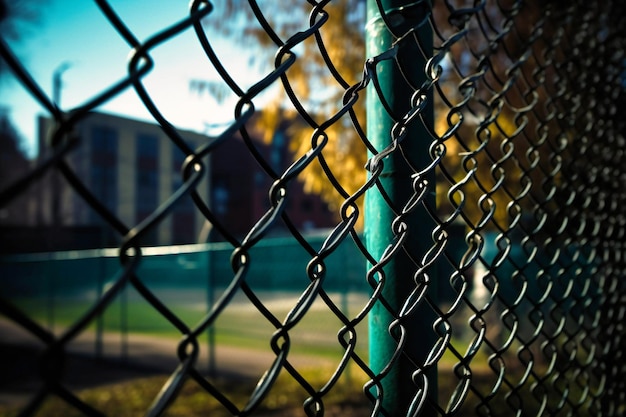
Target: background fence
<point x="491" y="205"/>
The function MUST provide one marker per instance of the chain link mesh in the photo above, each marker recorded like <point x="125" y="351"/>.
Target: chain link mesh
<point x="522" y="270"/>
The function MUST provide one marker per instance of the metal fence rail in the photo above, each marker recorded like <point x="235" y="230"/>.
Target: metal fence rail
<point x="491" y="192"/>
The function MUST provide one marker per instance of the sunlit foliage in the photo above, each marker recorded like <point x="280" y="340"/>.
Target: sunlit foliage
<point x="318" y="89"/>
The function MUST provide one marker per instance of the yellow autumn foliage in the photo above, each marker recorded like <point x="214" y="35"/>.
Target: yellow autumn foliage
<point x="320" y="94"/>
<point x="484" y="157"/>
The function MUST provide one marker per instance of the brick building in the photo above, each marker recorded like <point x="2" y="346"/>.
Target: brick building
<point x="132" y="167"/>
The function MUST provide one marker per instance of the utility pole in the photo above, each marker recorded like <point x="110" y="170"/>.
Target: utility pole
<point x="399" y="78"/>
<point x="57" y="84"/>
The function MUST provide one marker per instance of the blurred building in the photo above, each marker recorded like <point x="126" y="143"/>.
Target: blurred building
<point x="240" y="186"/>
<point x="132" y="167"/>
<point x="129" y="166"/>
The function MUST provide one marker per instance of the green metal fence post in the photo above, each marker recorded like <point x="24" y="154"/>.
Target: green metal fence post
<point x="100" y="262"/>
<point x="210" y="299"/>
<point x="398" y="387"/>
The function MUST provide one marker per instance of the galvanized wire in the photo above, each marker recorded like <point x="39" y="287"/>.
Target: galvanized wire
<point x="528" y="154"/>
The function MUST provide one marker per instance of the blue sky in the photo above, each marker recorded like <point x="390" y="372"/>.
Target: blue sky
<point x="76" y="33"/>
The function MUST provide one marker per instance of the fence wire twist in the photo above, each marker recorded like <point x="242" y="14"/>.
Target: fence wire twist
<point x="525" y="156"/>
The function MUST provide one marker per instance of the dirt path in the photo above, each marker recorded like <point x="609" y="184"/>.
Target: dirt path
<point x="140" y="355"/>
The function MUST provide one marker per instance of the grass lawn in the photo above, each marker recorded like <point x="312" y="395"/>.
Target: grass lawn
<point x="239" y="325"/>
<point x="285" y="398"/>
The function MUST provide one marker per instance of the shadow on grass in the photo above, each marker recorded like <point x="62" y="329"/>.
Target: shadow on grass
<point x="124" y="390"/>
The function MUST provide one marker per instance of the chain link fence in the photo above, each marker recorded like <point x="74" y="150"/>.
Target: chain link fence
<point x="487" y="203"/>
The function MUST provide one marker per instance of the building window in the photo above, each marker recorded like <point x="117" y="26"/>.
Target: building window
<point x="147" y="151"/>
<point x="104" y="141"/>
<point x="306" y="205"/>
<point x="183" y="216"/>
<point x="178" y="159"/>
<point x="277" y="149"/>
<point x="103" y="169"/>
<point x="146" y="175"/>
<point x="220" y="196"/>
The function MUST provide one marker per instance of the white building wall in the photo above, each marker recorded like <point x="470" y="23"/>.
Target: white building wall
<point x="75" y="212"/>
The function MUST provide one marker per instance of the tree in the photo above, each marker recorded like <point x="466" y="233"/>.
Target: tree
<point x="486" y="164"/>
<point x="495" y="98"/>
<point x="13" y="164"/>
<point x="13" y="161"/>
<point x="15" y="18"/>
<point x="319" y="77"/>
